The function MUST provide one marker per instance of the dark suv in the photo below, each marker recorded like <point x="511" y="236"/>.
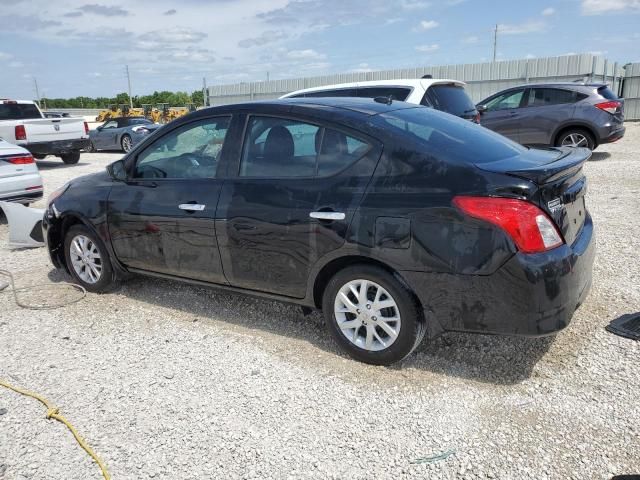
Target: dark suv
<point x="555" y="114"/>
<point x="396" y="220"/>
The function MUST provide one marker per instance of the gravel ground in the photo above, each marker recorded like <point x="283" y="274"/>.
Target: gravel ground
<point x="172" y="381"/>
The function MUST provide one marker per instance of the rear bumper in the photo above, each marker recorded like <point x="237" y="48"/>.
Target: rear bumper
<point x="26" y="188"/>
<point x="531" y="295"/>
<point x="59" y="147"/>
<point x="614" y="133"/>
<point x="22" y="197"/>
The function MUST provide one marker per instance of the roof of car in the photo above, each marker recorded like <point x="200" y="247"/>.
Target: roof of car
<point x="366" y="106"/>
<point x="400" y="82"/>
<point x="563" y="84"/>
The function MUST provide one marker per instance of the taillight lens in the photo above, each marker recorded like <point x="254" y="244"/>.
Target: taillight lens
<point x="20" y="160"/>
<point x="609" y="107"/>
<point x="21" y="133"/>
<point x="86" y="128"/>
<point x="530" y="228"/>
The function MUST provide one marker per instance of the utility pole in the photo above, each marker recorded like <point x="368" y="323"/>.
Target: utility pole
<point x="267" y="76"/>
<point x="495" y="42"/>
<point x="35" y="81"/>
<point x="205" y="92"/>
<point x="129" y="83"/>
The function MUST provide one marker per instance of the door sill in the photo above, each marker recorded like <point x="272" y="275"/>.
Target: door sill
<point x="226" y="287"/>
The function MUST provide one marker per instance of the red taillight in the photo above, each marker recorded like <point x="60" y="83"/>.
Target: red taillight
<point x="530" y="228"/>
<point x="86" y="128"/>
<point x="20" y="160"/>
<point x="21" y="133"/>
<point x="609" y="107"/>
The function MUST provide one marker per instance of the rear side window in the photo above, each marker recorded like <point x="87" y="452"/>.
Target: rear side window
<point x="607" y="93"/>
<point x="282" y="148"/>
<point x="451" y="99"/>
<point x="450" y="137"/>
<point x="341" y="92"/>
<point x="16" y="111"/>
<point x="396" y="93"/>
<point x="540" y="97"/>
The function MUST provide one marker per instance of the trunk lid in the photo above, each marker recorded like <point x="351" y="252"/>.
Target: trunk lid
<point x="561" y="181"/>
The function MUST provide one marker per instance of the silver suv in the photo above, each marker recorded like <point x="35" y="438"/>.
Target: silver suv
<point x="554" y="114"/>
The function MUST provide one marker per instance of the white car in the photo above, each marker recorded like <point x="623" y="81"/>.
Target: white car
<point x="20" y="180"/>
<point x="22" y="123"/>
<point x="441" y="94"/>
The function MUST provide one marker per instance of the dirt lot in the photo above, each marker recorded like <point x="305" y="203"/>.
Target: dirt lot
<point x="172" y="381"/>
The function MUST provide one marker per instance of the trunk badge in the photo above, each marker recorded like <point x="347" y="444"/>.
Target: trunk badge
<point x="555" y="205"/>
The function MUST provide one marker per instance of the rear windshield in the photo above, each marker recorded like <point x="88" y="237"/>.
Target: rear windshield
<point x="396" y="93"/>
<point x="18" y="111"/>
<point x="458" y="139"/>
<point x="607" y="93"/>
<point x="452" y="99"/>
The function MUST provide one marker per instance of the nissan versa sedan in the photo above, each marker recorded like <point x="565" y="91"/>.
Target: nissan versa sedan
<point x="396" y="221"/>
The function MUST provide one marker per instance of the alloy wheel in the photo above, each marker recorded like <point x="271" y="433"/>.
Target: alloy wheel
<point x="367" y="315"/>
<point x="575" y="140"/>
<point x="85" y="259"/>
<point x="126" y="144"/>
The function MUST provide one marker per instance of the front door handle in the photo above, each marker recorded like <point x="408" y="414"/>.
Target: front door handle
<point x="327" y="215"/>
<point x="191" y="207"/>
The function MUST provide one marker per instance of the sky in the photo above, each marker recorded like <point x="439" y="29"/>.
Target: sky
<point x="78" y="47"/>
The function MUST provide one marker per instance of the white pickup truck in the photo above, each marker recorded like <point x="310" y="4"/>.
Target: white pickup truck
<point x="22" y="123"/>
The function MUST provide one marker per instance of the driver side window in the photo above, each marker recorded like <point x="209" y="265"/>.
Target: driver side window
<point x="110" y="124"/>
<point x="190" y="151"/>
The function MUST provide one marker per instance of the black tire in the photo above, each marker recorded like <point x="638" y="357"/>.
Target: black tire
<point x="412" y="325"/>
<point x="71" y="158"/>
<point x="125" y="143"/>
<point x="90" y="148"/>
<point x="107" y="280"/>
<point x="577" y="133"/>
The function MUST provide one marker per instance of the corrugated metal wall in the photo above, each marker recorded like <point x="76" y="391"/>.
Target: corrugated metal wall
<point x="483" y="79"/>
<point x="631" y="92"/>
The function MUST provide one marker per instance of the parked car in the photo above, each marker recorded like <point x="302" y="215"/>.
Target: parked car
<point x="397" y="221"/>
<point x="20" y="180"/>
<point x="120" y="133"/>
<point x="554" y="114"/>
<point x="22" y="123"/>
<point x="444" y="95"/>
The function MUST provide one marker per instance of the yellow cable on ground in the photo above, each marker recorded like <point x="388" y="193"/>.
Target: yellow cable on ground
<point x="52" y="412"/>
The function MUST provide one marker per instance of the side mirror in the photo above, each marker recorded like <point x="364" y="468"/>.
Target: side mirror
<point x="117" y="171"/>
<point x="481" y="109"/>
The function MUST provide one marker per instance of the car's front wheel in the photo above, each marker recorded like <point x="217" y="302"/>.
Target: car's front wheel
<point x="372" y="315"/>
<point x="88" y="260"/>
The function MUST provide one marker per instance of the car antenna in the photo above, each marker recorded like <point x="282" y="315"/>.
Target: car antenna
<point x="386" y="100"/>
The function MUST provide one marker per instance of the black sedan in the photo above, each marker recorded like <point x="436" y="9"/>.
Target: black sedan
<point x="397" y="221"/>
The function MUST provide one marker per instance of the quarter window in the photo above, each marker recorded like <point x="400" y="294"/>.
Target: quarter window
<point x="281" y="148"/>
<point x="505" y="101"/>
<point x="190" y="151"/>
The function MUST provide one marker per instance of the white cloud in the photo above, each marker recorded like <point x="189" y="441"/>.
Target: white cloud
<point x="308" y="54"/>
<point x="427" y="25"/>
<point x="530" y="56"/>
<point x="596" y="7"/>
<point x="16" y="64"/>
<point x="5" y="56"/>
<point x="531" y="26"/>
<point x="427" y="48"/>
<point x="547" y="12"/>
<point x="470" y="39"/>
<point x="362" y="68"/>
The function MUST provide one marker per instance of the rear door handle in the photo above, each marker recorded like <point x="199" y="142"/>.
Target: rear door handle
<point x="327" y="215"/>
<point x="191" y="207"/>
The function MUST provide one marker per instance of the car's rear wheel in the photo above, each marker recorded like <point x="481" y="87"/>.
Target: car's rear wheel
<point x="576" y="137"/>
<point x="39" y="156"/>
<point x="71" y="158"/>
<point x="90" y="148"/>
<point x="88" y="260"/>
<point x="126" y="143"/>
<point x="372" y="315"/>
